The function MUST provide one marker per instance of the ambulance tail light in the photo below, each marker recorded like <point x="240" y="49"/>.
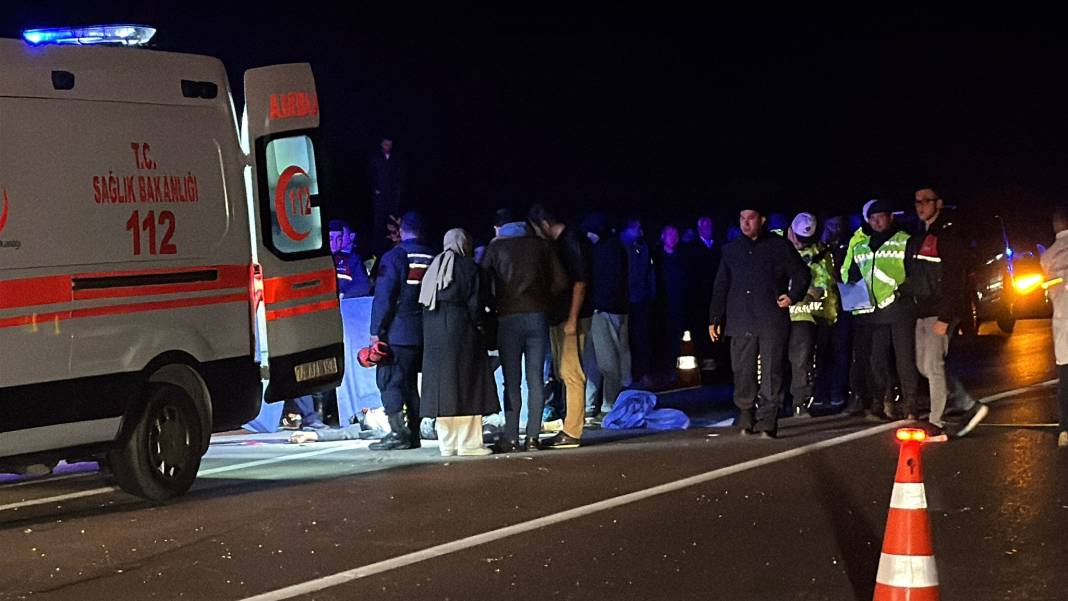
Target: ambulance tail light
<point x="116" y="35"/>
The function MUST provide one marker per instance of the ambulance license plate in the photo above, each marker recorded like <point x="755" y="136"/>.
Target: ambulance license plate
<point x="315" y="369"/>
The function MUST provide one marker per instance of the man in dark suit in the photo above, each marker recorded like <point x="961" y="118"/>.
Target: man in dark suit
<point x="760" y="276"/>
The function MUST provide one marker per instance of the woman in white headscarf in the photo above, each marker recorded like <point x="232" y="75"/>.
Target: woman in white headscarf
<point x="458" y="386"/>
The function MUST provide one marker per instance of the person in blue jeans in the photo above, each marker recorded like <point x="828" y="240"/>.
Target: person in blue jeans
<point x="524" y="275"/>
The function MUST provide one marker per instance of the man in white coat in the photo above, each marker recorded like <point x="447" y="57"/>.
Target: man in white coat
<point x="1055" y="264"/>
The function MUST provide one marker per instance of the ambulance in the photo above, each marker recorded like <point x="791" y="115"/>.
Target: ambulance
<point x="158" y="263"/>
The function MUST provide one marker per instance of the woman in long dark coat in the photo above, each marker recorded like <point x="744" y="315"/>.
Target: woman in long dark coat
<point x="458" y="386"/>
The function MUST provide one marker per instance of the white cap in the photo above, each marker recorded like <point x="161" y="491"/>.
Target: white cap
<point x="804" y="225"/>
<point x="867" y="205"/>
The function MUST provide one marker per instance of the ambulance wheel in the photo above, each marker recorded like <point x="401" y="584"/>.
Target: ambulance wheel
<point x="1007" y="324"/>
<point x="159" y="456"/>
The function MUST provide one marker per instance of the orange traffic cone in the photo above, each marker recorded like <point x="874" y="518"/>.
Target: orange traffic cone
<point x="907" y="565"/>
<point x="686" y="372"/>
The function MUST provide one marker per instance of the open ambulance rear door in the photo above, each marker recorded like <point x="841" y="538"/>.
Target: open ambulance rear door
<point x="303" y="317"/>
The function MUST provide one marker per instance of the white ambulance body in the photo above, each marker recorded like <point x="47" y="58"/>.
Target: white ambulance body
<point x="133" y="231"/>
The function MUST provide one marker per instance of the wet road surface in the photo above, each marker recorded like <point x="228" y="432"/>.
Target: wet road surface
<point x="801" y="517"/>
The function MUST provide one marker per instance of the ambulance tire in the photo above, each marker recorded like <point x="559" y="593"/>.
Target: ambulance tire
<point x="159" y="456"/>
<point x="1007" y="324"/>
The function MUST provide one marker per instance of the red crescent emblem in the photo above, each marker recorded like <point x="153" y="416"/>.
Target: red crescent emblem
<point x="3" y="213"/>
<point x="280" y="204"/>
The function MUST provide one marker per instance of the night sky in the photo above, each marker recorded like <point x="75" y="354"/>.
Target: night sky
<point x="662" y="115"/>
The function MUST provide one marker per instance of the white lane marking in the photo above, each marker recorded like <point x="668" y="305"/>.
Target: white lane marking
<point x="1015" y="392"/>
<point x="59" y="498"/>
<point x="206" y="472"/>
<point x="1049" y="425"/>
<point x="465" y="543"/>
<point x="289" y="457"/>
<point x="41" y="479"/>
<point x="221" y="469"/>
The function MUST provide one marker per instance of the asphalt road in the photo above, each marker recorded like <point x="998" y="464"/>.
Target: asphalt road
<point x="697" y="514"/>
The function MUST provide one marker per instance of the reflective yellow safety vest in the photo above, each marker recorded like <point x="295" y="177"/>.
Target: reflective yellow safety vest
<point x="883" y="270"/>
<point x="821" y="300"/>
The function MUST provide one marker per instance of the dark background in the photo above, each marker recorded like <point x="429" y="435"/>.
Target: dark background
<point x="665" y="115"/>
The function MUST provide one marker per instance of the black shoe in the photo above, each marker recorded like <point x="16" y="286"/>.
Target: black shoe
<point x="561" y="441"/>
<point x="971" y="419"/>
<point x="503" y="445"/>
<point x="767" y="434"/>
<point x="399" y="437"/>
<point x="533" y="443"/>
<point x="801" y="411"/>
<point x="392" y="442"/>
<point x="934" y="433"/>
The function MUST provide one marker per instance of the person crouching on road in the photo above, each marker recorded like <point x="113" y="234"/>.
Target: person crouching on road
<point x="1055" y="264"/>
<point x="397" y="319"/>
<point x="812" y="319"/>
<point x="879" y="260"/>
<point x="759" y="277"/>
<point x="458" y="387"/>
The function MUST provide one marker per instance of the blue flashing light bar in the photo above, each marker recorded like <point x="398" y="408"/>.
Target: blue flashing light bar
<point x="120" y="35"/>
<point x="1008" y="252"/>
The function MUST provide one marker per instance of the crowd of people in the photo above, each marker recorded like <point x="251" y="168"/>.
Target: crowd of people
<point x="842" y="313"/>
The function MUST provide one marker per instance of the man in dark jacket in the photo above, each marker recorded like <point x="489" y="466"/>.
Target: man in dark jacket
<point x="705" y="255"/>
<point x="759" y="277"/>
<point x="397" y="319"/>
<point x="569" y="319"/>
<point x="609" y="341"/>
<point x="938" y="285"/>
<point x="641" y="280"/>
<point x="525" y="276"/>
<point x="387" y="187"/>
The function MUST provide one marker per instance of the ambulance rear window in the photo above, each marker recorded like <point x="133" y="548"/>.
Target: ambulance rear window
<point x="292" y="184"/>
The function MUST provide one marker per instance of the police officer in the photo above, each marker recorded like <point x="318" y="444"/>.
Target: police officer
<point x="352" y="279"/>
<point x="811" y="319"/>
<point x="397" y="319"/>
<point x="878" y="259"/>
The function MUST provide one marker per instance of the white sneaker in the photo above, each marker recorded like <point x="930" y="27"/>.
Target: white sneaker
<point x="448" y="452"/>
<point x="480" y="451"/>
<point x="972" y="418"/>
<point x="1062" y="440"/>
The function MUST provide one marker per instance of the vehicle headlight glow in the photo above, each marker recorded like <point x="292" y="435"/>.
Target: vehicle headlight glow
<point x="1027" y="283"/>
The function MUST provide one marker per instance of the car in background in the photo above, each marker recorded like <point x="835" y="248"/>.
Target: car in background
<point x="1005" y="280"/>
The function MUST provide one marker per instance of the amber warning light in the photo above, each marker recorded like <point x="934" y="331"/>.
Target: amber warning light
<point x="911" y="435"/>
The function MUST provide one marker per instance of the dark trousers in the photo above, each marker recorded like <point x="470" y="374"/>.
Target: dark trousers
<point x="641" y="339"/>
<point x="523" y="342"/>
<point x="860" y="379"/>
<point x="801" y="351"/>
<point x="398" y="382"/>
<point x="767" y="395"/>
<point x="1062" y="396"/>
<point x="900" y="339"/>
<point x="833" y="360"/>
<point x="385" y="205"/>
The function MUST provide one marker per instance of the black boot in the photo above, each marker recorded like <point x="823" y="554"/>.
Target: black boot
<point x="398" y="438"/>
